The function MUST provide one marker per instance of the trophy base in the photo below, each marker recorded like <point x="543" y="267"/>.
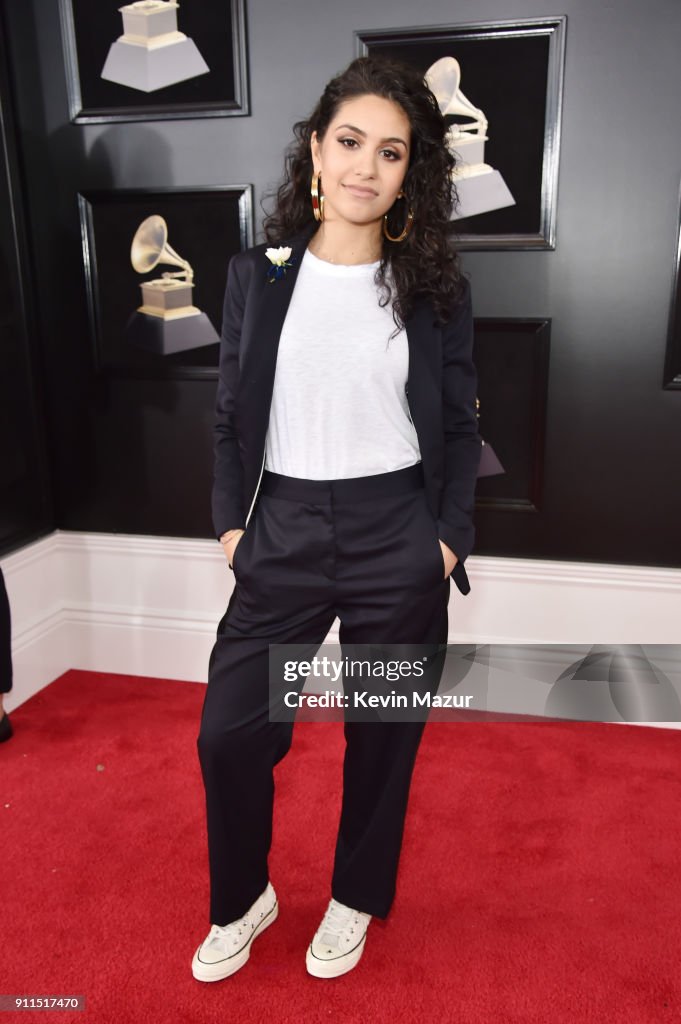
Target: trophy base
<point x="149" y="69"/>
<point x="481" y="193"/>
<point x="170" y="314"/>
<point x="166" y="337"/>
<point x="489" y="463"/>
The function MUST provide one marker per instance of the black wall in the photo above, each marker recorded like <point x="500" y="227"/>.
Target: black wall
<point x="136" y="455"/>
<point x="25" y="496"/>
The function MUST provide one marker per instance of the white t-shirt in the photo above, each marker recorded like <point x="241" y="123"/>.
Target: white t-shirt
<point x="339" y="407"/>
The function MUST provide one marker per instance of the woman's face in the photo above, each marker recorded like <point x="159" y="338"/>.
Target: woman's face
<point x="363" y="159"/>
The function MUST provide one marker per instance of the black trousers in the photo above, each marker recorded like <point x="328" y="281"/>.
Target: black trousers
<point x="364" y="549"/>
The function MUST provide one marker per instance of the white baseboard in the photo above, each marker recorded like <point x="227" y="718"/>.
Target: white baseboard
<point x="149" y="606"/>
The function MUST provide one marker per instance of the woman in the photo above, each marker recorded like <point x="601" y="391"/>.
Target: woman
<point x="346" y="454"/>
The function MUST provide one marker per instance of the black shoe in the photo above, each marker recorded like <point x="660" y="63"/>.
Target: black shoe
<point x="6" y="729"/>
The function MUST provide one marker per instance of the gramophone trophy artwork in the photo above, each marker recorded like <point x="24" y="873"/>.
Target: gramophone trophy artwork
<point x="152" y="54"/>
<point x="480" y="187"/>
<point x="167" y="321"/>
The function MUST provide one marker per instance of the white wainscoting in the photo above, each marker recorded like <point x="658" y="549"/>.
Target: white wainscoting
<point x="150" y="606"/>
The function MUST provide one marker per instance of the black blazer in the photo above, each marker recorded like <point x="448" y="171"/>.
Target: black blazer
<point x="441" y="391"/>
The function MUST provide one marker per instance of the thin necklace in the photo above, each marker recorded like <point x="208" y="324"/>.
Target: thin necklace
<point x="327" y="259"/>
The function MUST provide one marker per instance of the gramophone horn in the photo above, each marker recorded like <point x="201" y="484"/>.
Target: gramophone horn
<point x="443" y="78"/>
<point x="150" y="246"/>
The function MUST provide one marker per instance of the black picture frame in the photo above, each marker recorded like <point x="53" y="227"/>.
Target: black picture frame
<point x="512" y="359"/>
<point x="206" y="226"/>
<point x="218" y="31"/>
<point x="672" y="365"/>
<point x="513" y="71"/>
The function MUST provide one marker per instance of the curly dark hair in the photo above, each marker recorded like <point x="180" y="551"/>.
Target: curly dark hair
<point x="425" y="263"/>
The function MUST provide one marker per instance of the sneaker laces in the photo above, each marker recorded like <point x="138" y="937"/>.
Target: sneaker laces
<point x="336" y="921"/>
<point x="224" y="936"/>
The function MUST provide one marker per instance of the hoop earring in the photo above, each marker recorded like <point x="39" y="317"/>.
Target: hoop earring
<point x="317" y="199"/>
<point x="405" y="230"/>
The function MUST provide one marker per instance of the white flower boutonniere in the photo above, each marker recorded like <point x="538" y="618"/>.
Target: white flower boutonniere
<point x="280" y="260"/>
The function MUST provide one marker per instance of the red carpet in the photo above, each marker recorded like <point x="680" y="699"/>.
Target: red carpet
<point x="541" y="870"/>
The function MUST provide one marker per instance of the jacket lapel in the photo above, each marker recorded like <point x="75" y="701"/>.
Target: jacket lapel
<point x="273" y="300"/>
<point x="257" y="371"/>
<point x="421" y="354"/>
<point x="424" y="384"/>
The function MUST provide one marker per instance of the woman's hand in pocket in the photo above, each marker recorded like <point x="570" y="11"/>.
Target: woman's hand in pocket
<point x="450" y="559"/>
<point x="230" y="545"/>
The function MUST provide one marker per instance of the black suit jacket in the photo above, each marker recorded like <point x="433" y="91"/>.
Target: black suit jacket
<point x="441" y="392"/>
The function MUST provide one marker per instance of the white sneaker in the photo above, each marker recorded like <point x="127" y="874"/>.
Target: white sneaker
<point x="339" y="941"/>
<point x="227" y="947"/>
